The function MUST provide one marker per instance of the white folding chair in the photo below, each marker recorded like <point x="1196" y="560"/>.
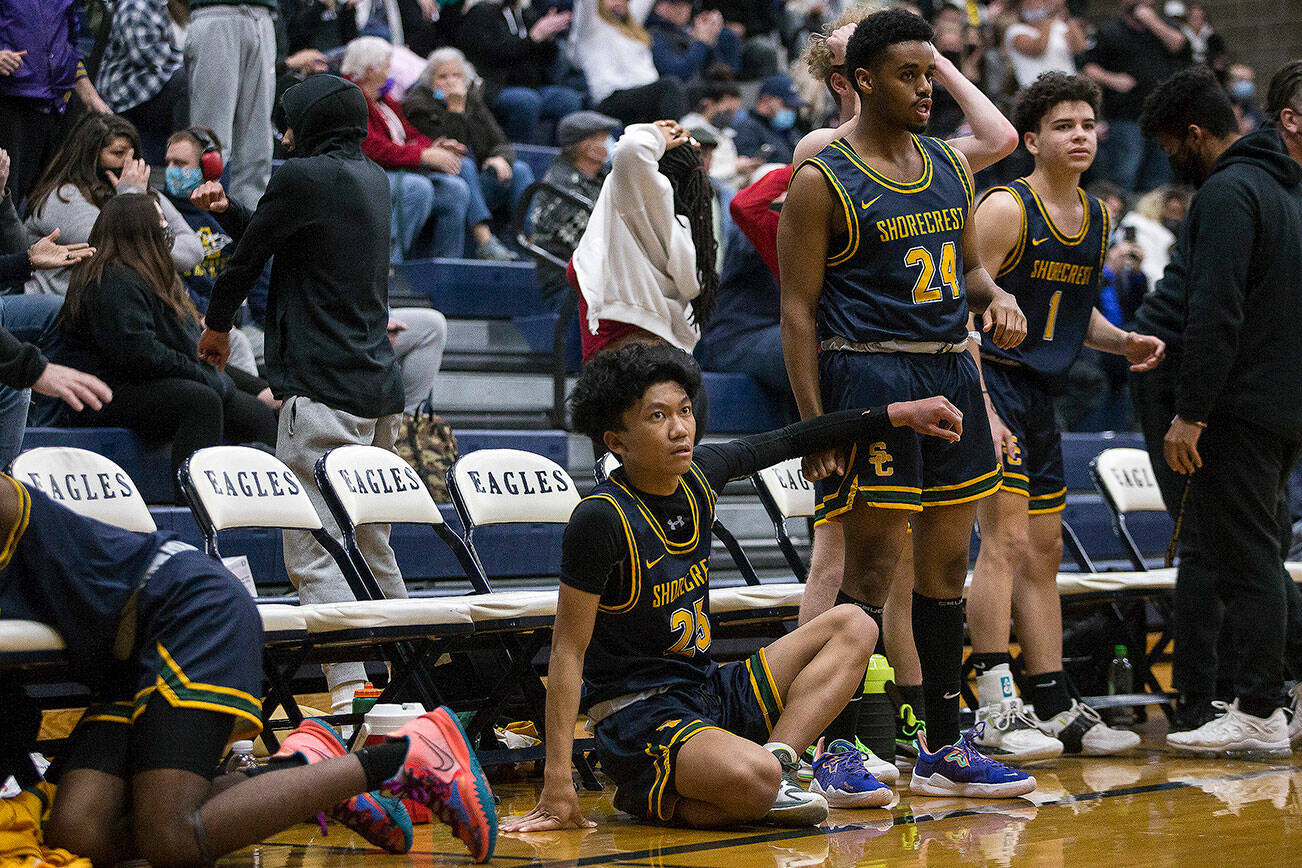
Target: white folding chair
<point x="87" y="483"/>
<point x="785" y="494"/>
<point x="1125" y="479"/>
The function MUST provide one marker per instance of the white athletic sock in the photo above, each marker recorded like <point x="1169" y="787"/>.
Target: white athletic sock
<point x="775" y="746"/>
<point x="341" y="696"/>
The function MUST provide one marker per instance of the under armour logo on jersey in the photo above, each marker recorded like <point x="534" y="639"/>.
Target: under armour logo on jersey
<point x="676" y="523"/>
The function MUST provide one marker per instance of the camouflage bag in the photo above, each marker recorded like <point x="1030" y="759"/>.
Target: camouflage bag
<point x="427" y="443"/>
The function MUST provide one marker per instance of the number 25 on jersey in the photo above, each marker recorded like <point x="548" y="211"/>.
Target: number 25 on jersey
<point x="693" y="629"/>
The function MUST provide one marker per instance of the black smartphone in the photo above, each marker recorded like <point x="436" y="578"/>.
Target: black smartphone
<point x="1128" y="233"/>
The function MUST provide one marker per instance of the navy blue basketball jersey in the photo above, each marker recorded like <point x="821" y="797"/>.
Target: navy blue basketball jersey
<point x="653" y="628"/>
<point x="898" y="273"/>
<point x="71" y="572"/>
<point x="1055" y="278"/>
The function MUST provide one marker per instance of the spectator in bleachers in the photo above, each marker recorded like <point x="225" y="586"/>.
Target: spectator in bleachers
<point x="1241" y="85"/>
<point x="230" y="62"/>
<point x="1155" y="219"/>
<point x="715" y="105"/>
<point x="581" y="169"/>
<point x="645" y="266"/>
<point x="323" y="219"/>
<point x="613" y="48"/>
<point x="142" y="75"/>
<point x="767" y="132"/>
<point x="39" y="71"/>
<point x="753" y="22"/>
<point x="685" y="45"/>
<point x="1046" y="38"/>
<point x="1205" y="44"/>
<point x="129" y="320"/>
<point x="515" y="47"/>
<point x="98" y="161"/>
<point x="427" y="178"/>
<point x="1131" y="54"/>
<point x="445" y="105"/>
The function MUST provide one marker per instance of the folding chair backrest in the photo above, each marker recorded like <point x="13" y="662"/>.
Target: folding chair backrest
<point x="1125" y="476"/>
<point x="86" y="483"/>
<point x="786" y="493"/>
<point x="368" y="485"/>
<point x="503" y="486"/>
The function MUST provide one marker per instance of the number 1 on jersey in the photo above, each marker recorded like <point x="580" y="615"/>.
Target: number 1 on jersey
<point x="923" y="291"/>
<point x="1052" y="319"/>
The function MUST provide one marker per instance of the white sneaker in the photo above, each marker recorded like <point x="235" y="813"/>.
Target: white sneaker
<point x="1295" y="718"/>
<point x="1082" y="731"/>
<point x="795" y="806"/>
<point x="1236" y="733"/>
<point x="1010" y="735"/>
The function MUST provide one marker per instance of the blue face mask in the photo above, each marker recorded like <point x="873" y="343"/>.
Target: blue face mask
<point x="182" y="182"/>
<point x="785" y="119"/>
<point x="387" y="86"/>
<point x="1243" y="90"/>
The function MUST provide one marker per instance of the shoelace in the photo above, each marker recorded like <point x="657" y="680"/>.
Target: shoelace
<point x="1011" y="711"/>
<point x="977" y="760"/>
<point x="1088" y="713"/>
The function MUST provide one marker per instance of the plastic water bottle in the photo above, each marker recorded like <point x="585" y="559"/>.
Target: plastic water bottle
<point x="241" y="759"/>
<point x="876" y="727"/>
<point x="1121" y="680"/>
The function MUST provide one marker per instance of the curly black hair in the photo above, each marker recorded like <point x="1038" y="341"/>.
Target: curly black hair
<point x="880" y="31"/>
<point x="1285" y="89"/>
<point x="615" y="380"/>
<point x="1192" y="96"/>
<point x="1051" y="88"/>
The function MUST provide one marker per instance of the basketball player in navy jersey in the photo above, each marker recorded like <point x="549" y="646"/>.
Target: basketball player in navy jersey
<point x="688" y="741"/>
<point x="873" y="241"/>
<point x="1045" y="242"/>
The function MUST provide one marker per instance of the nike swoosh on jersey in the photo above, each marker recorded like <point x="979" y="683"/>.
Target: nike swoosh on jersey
<point x="650" y="564"/>
<point x="1036" y="242"/>
<point x="868" y="204"/>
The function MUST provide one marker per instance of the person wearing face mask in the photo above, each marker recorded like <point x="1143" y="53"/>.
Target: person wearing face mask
<point x="717" y="105"/>
<point x="1237" y="430"/>
<point x="766" y="132"/>
<point x="586" y="144"/>
<point x="98" y="161"/>
<point x="1044" y="39"/>
<point x="1241" y="85"/>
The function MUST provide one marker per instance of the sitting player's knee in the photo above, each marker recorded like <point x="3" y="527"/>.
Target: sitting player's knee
<point x="89" y="840"/>
<point x="758" y="777"/>
<point x="854" y="625"/>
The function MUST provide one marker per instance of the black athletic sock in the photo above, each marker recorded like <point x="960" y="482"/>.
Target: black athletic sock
<point x="381" y="762"/>
<point x="1049" y="694"/>
<point x="938" y="636"/>
<point x="846" y="724"/>
<point x="983" y="663"/>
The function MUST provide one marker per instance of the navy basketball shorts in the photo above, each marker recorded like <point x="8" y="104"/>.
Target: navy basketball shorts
<point x="198" y="647"/>
<point x="638" y="745"/>
<point x="903" y="469"/>
<point x="1034" y="468"/>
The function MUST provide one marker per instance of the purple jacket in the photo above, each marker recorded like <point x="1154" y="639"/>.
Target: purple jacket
<point x="47" y="29"/>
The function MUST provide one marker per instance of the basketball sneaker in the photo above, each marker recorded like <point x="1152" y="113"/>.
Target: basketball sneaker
<point x="1236" y="733"/>
<point x="442" y="772"/>
<point x="879" y="768"/>
<point x="1006" y="732"/>
<point x="1080" y="730"/>
<point x="960" y="770"/>
<point x="840" y="777"/>
<point x="1295" y="717"/>
<point x="907" y="727"/>
<point x="794" y="806"/>
<point x="382" y="821"/>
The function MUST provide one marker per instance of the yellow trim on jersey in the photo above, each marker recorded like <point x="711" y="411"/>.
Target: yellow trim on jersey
<point x="671" y="547"/>
<point x="635" y="568"/>
<point x="1107" y="233"/>
<point x="851" y="221"/>
<point x="973" y="481"/>
<point x="705" y="485"/>
<point x="1014" y="257"/>
<point x="20" y="525"/>
<point x="1069" y="240"/>
<point x="224" y="700"/>
<point x="958" y="167"/>
<point x="1057" y="501"/>
<point x="656" y="794"/>
<point x="911" y="187"/>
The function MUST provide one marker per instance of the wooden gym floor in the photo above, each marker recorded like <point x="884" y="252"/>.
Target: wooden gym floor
<point x="1148" y="808"/>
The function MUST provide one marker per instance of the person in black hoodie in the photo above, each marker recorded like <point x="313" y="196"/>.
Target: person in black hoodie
<point x="325" y="219"/>
<point x="1238" y="427"/>
<point x="128" y="319"/>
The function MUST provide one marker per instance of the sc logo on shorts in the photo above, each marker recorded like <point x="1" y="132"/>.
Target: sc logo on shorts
<point x="1013" y="450"/>
<point x="880" y="459"/>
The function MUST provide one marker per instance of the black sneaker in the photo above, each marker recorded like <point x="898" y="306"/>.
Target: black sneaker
<point x="907" y="727"/>
<point x="1191" y="713"/>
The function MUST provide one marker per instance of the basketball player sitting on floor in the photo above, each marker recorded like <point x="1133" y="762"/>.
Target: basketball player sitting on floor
<point x="679" y="734"/>
<point x="172" y="644"/>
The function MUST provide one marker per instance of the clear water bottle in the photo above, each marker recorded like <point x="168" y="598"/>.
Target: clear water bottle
<point x="1121" y="680"/>
<point x="241" y="758"/>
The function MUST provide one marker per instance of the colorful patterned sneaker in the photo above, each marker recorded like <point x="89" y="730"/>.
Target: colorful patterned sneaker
<point x="794" y="806"/>
<point x="1236" y="733"/>
<point x="441" y="771"/>
<point x="382" y="821"/>
<point x="959" y="770"/>
<point x="879" y="768"/>
<point x="1082" y="731"/>
<point x="1010" y="735"/>
<point x="840" y="777"/>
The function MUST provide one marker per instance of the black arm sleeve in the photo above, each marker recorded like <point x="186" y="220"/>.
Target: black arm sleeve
<point x="721" y="462"/>
<point x="593" y="547"/>
<point x="235" y="219"/>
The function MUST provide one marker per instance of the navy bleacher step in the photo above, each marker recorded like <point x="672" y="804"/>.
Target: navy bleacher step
<point x="148" y="467"/>
<point x="474" y="289"/>
<point x="1080" y="448"/>
<point x="739" y="405"/>
<point x="539" y="157"/>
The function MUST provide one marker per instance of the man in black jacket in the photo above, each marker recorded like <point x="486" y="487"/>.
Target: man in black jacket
<point x="325" y="219"/>
<point x="1238" y="425"/>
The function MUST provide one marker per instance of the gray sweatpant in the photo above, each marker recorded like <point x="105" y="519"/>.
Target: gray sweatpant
<point x="309" y="429"/>
<point x="230" y="61"/>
